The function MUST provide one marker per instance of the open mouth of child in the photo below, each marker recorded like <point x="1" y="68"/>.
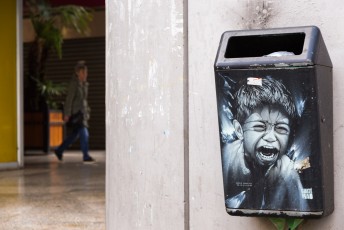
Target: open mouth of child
<point x="267" y="154"/>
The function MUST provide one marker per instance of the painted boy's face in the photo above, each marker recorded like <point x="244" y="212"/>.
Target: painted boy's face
<point x="266" y="134"/>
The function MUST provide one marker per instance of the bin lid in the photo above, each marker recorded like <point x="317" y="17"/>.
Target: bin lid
<point x="276" y="48"/>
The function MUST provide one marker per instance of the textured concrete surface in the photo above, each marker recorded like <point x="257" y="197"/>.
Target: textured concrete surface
<point x="145" y="107"/>
<point x="47" y="194"/>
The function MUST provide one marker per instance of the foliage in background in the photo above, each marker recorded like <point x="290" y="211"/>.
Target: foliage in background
<point x="51" y="91"/>
<point x="286" y="223"/>
<point x="48" y="23"/>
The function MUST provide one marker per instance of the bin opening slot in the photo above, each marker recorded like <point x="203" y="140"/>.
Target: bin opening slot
<point x="261" y="45"/>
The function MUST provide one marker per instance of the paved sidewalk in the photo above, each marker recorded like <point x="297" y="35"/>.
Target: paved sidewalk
<point x="48" y="194"/>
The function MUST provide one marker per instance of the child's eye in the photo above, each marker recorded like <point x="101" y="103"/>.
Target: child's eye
<point x="259" y="127"/>
<point x="281" y="129"/>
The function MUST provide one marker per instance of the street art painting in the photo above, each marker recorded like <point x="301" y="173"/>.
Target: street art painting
<point x="268" y="140"/>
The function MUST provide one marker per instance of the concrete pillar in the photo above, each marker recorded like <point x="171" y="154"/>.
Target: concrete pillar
<point x="145" y="110"/>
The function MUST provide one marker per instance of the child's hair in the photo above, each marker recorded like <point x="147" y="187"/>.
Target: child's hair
<point x="272" y="93"/>
<point x="80" y="65"/>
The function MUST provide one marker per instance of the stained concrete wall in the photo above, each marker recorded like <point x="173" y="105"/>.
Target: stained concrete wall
<point x="143" y="50"/>
<point x="145" y="112"/>
<point x="208" y="21"/>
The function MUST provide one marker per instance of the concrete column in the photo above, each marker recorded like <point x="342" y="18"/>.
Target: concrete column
<point x="145" y="110"/>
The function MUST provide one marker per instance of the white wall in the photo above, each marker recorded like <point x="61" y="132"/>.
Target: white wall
<point x="146" y="107"/>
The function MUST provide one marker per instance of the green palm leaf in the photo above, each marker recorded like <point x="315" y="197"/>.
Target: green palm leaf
<point x="48" y="23"/>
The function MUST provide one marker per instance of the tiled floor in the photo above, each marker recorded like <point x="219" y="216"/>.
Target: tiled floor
<point x="47" y="194"/>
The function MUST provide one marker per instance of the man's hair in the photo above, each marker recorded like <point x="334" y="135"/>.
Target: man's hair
<point x="271" y="93"/>
<point x="80" y="65"/>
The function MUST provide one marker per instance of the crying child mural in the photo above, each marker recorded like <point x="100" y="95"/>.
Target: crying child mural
<point x="257" y="123"/>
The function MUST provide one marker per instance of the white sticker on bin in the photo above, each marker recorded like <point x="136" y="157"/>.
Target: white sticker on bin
<point x="254" y="81"/>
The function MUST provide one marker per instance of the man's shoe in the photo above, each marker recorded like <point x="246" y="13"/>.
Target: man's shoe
<point x="58" y="155"/>
<point x="89" y="160"/>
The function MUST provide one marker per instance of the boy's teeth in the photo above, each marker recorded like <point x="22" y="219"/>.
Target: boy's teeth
<point x="265" y="157"/>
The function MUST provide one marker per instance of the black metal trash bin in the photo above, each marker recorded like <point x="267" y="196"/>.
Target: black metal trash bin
<point x="274" y="98"/>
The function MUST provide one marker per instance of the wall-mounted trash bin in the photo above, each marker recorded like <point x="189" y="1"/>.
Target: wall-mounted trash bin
<point x="274" y="98"/>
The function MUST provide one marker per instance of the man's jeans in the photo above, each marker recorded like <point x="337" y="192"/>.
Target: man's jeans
<point x="82" y="133"/>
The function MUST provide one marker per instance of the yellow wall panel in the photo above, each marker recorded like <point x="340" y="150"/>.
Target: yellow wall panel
<point x="8" y="117"/>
